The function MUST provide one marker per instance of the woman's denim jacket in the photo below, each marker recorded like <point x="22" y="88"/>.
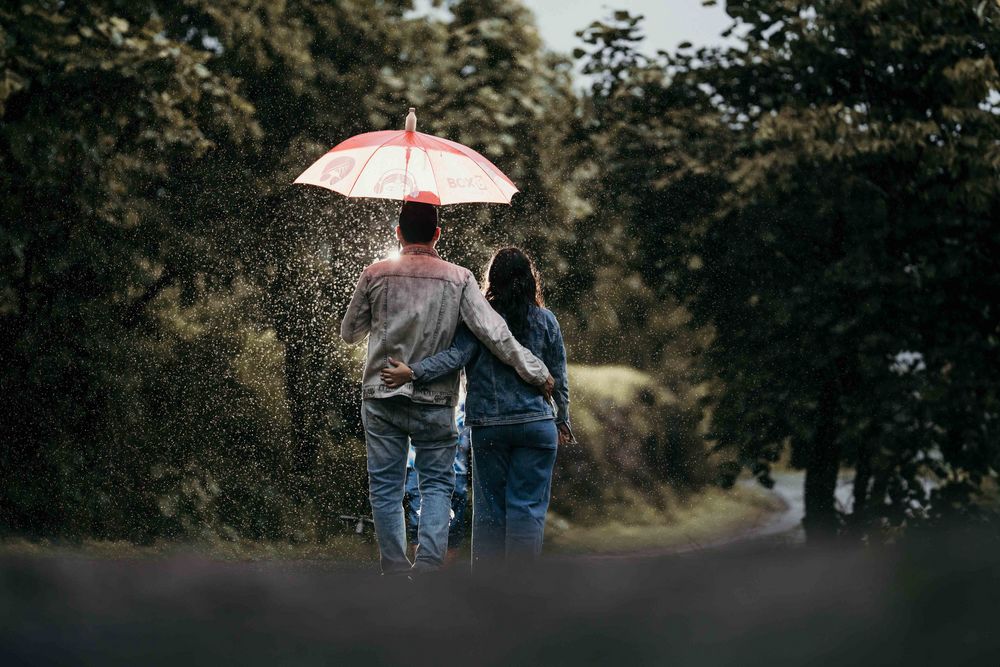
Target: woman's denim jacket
<point x="496" y="395"/>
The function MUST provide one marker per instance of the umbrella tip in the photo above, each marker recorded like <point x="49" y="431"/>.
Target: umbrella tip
<point x="411" y="120"/>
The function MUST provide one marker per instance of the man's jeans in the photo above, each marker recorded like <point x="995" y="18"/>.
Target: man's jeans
<point x="391" y="424"/>
<point x="511" y="484"/>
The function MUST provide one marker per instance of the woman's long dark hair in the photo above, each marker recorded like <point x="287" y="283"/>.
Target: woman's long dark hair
<point x="512" y="286"/>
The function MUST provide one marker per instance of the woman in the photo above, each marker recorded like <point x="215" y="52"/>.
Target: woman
<point x="515" y="431"/>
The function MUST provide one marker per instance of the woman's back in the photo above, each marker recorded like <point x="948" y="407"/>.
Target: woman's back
<point x="496" y="394"/>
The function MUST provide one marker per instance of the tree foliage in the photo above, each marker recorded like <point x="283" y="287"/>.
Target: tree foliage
<point x="170" y="302"/>
<point x="796" y="236"/>
<point x="825" y="197"/>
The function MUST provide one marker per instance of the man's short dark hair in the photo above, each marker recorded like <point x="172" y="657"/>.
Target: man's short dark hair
<point x="418" y="221"/>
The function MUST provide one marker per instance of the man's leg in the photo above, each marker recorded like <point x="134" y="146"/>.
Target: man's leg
<point x="490" y="461"/>
<point x="386" y="444"/>
<point x="411" y="500"/>
<point x="435" y="437"/>
<point x="436" y="474"/>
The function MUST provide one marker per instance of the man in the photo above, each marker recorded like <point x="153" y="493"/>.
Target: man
<point x="409" y="308"/>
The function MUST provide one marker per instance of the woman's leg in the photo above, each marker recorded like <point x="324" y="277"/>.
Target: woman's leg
<point x="490" y="460"/>
<point x="529" y="486"/>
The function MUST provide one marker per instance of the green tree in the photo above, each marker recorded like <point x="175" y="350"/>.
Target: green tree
<point x="149" y="265"/>
<point x="484" y="79"/>
<point x="170" y="301"/>
<point x="100" y="113"/>
<point x="826" y="198"/>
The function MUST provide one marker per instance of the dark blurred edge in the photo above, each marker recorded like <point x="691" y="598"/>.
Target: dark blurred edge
<point x="932" y="601"/>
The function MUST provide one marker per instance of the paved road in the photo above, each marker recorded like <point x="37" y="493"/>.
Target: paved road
<point x="785" y="528"/>
<point x="779" y="529"/>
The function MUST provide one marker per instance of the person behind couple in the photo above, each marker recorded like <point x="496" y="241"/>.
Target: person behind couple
<point x="515" y="432"/>
<point x="409" y="308"/>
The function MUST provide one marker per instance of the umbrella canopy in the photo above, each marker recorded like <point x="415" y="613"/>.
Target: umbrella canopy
<point x="409" y="165"/>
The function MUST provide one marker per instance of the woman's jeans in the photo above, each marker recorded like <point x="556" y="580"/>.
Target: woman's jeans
<point x="511" y="483"/>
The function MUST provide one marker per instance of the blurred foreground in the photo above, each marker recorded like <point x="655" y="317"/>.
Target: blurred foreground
<point x="932" y="602"/>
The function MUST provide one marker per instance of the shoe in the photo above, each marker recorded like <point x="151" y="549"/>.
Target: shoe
<point x="451" y="557"/>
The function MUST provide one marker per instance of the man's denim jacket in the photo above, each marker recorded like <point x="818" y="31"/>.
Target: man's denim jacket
<point x="496" y="395"/>
<point x="410" y="307"/>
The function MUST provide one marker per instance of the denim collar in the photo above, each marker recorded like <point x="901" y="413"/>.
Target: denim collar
<point x="419" y="250"/>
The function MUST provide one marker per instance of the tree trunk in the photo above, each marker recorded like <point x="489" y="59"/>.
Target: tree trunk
<point x="862" y="480"/>
<point x="297" y="393"/>
<point x="821" y="521"/>
<point x="135" y="309"/>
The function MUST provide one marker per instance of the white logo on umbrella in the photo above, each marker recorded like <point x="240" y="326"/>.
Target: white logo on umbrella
<point x="336" y="169"/>
<point x="471" y="182"/>
<point x="396" y="182"/>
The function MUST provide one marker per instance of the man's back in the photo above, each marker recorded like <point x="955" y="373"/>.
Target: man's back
<point x="413" y="309"/>
<point x="410" y="308"/>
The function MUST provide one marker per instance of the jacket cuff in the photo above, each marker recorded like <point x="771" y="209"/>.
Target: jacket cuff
<point x="562" y="414"/>
<point x="418" y="371"/>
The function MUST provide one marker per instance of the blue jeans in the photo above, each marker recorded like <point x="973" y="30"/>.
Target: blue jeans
<point x="391" y="424"/>
<point x="459" y="500"/>
<point x="511" y="484"/>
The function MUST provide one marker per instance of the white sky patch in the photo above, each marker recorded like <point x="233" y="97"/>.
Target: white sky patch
<point x="212" y="44"/>
<point x="907" y="361"/>
<point x="667" y="23"/>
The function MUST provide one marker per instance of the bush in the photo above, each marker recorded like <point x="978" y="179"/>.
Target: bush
<point x="636" y="437"/>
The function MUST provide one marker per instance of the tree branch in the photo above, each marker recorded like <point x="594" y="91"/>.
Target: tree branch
<point x="134" y="310"/>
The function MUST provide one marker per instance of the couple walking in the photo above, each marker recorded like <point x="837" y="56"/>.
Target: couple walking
<point x="431" y="314"/>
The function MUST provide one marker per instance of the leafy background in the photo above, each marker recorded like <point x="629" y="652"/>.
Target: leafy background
<point x="785" y="251"/>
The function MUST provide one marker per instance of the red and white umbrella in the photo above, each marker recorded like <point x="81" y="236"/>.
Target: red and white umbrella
<point x="409" y="165"/>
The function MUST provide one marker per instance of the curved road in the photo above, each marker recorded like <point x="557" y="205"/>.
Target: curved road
<point x="786" y="527"/>
<point x="782" y="528"/>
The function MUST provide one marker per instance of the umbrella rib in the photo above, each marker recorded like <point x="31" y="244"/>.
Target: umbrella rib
<point x="430" y="162"/>
<point x="462" y="148"/>
<point x="362" y="170"/>
<point x="475" y="162"/>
